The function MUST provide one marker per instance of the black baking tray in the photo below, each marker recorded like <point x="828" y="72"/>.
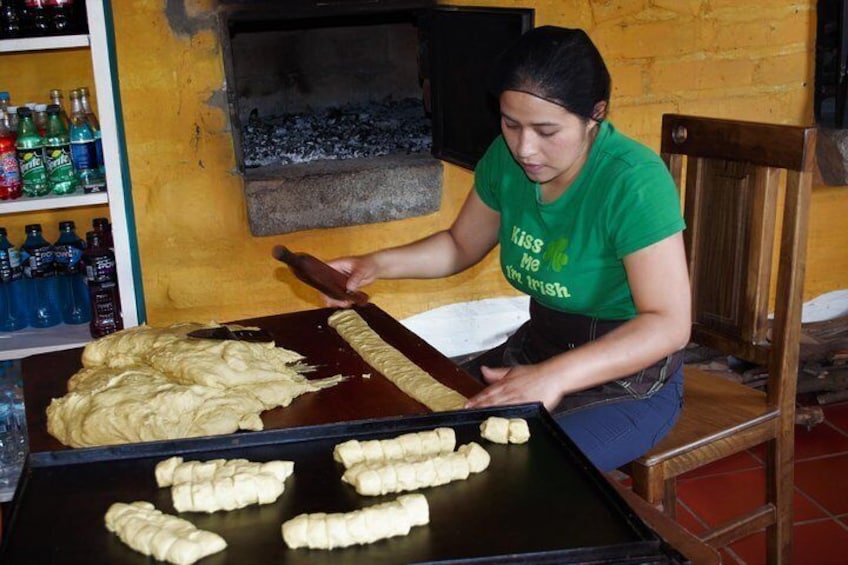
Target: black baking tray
<point x="541" y="502"/>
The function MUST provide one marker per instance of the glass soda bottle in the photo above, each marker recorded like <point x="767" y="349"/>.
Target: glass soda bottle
<point x="83" y="148"/>
<point x="57" y="154"/>
<point x="13" y="298"/>
<point x="29" y="147"/>
<point x="10" y="171"/>
<point x="95" y="127"/>
<point x="57" y="98"/>
<point x="102" y="279"/>
<point x="40" y="276"/>
<point x="39" y="118"/>
<point x="68" y="252"/>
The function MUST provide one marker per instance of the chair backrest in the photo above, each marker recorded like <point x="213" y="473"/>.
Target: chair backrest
<point x="742" y="239"/>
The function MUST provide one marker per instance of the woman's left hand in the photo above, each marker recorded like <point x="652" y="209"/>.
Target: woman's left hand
<point x="516" y="385"/>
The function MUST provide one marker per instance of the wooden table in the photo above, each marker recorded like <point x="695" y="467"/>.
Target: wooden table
<point x="45" y="377"/>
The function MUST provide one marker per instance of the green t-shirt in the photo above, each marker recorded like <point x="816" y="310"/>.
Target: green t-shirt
<point x="567" y="254"/>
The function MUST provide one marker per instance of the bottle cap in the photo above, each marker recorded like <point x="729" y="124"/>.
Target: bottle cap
<point x="56" y="92"/>
<point x="24" y="112"/>
<point x="4" y="95"/>
<point x="66" y="224"/>
<point x="3" y="231"/>
<point x="33" y="227"/>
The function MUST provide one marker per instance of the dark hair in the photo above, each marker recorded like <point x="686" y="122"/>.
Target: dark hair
<point x="557" y="64"/>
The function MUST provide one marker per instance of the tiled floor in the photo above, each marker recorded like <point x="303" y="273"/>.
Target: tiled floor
<point x="710" y="494"/>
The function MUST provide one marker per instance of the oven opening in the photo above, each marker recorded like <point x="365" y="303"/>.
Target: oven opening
<point x="336" y="116"/>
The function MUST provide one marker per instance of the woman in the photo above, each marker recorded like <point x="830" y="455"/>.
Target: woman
<point x="589" y="225"/>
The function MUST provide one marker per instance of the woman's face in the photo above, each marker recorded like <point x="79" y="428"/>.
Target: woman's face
<point x="549" y="142"/>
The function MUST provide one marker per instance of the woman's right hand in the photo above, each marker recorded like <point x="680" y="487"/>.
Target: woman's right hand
<point x="360" y="270"/>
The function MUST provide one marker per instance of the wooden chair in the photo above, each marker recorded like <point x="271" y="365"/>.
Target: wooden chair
<point x="742" y="241"/>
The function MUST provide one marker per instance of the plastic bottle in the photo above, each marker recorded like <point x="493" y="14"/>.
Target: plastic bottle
<point x="10" y="171"/>
<point x="5" y="99"/>
<point x="29" y="147"/>
<point x="35" y="18"/>
<point x="95" y="128"/>
<point x="12" y="119"/>
<point x="13" y="435"/>
<point x="104" y="228"/>
<point x="57" y="98"/>
<point x="39" y="118"/>
<point x="83" y="148"/>
<point x="57" y="155"/>
<point x="70" y="274"/>
<point x="10" y="19"/>
<point x="60" y="15"/>
<point x="40" y="276"/>
<point x="13" y="297"/>
<point x="102" y="279"/>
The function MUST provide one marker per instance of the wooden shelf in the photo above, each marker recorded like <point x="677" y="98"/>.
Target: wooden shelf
<point x="43" y="43"/>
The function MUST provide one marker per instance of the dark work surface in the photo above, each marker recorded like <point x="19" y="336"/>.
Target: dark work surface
<point x="45" y="376"/>
<point x="540" y="502"/>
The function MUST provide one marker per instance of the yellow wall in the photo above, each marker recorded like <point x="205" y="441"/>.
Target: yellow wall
<point x="748" y="60"/>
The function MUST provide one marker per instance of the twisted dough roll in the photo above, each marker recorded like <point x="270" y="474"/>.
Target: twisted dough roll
<point x="505" y="430"/>
<point x="327" y="531"/>
<point x="165" y="537"/>
<point x="220" y="484"/>
<point x="416" y="444"/>
<point x="373" y="479"/>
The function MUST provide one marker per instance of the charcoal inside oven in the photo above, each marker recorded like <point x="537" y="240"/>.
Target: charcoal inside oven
<point x="352" y="131"/>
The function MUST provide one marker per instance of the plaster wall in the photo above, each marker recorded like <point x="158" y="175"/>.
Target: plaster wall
<point x="751" y="60"/>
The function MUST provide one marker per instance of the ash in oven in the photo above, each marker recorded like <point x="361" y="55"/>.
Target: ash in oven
<point x="353" y="131"/>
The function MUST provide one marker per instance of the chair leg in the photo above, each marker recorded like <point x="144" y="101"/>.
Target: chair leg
<point x="670" y="498"/>
<point x="780" y="491"/>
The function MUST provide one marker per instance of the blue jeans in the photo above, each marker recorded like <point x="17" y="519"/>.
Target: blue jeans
<point x="611" y="435"/>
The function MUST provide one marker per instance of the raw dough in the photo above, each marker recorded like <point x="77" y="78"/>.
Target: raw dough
<point x="393" y="364"/>
<point x="505" y="430"/>
<point x="165" y="537"/>
<point x="416" y="444"/>
<point x="373" y="479"/>
<point x="328" y="531"/>
<point x="145" y="384"/>
<point x="221" y="484"/>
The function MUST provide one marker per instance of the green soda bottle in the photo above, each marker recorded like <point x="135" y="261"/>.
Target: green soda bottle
<point x="29" y="147"/>
<point x="57" y="153"/>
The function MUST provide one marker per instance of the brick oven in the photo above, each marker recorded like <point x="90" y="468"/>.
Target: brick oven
<point x="343" y="110"/>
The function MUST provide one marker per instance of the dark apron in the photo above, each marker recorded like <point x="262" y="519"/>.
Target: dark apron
<point x="549" y="332"/>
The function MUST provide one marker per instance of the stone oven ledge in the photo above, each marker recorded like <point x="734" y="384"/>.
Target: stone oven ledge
<point x="334" y="193"/>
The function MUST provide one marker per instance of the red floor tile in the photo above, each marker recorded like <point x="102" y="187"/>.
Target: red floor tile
<point x="718" y="498"/>
<point x="824" y="480"/>
<point x="837" y="415"/>
<point x="822" y="542"/>
<point x="738" y="462"/>
<point x="823" y="439"/>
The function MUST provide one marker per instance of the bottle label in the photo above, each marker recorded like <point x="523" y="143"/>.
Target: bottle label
<point x="38" y="262"/>
<point x="32" y="166"/>
<point x="105" y="310"/>
<point x="84" y="155"/>
<point x="100" y="269"/>
<point x="67" y="259"/>
<point x="10" y="174"/>
<point x="10" y="265"/>
<point x="57" y="161"/>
